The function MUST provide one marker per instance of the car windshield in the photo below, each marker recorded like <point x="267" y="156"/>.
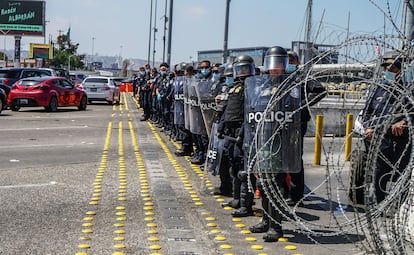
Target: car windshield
<point x="13" y="74"/>
<point x="29" y="83"/>
<point x="3" y="73"/>
<point x="96" y="80"/>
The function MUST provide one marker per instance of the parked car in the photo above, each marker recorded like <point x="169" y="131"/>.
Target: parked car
<point x="100" y="88"/>
<point x="77" y="78"/>
<point x="15" y="74"/>
<point x="3" y="100"/>
<point x="49" y="92"/>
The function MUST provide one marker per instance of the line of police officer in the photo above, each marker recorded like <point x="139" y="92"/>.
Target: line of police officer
<point x="251" y="124"/>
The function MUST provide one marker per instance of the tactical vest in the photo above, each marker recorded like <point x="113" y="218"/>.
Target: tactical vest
<point x="234" y="111"/>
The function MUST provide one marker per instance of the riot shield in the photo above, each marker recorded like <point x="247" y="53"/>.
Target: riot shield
<point x="207" y="104"/>
<point x="273" y="125"/>
<point x="196" y="117"/>
<point x="179" y="101"/>
<point x="214" y="151"/>
<point x="186" y="83"/>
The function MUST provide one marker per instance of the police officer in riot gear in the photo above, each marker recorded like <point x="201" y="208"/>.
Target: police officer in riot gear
<point x="276" y="61"/>
<point x="312" y="92"/>
<point x="387" y="116"/>
<point x="231" y="125"/>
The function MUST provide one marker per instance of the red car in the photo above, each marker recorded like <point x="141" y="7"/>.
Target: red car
<point x="49" y="92"/>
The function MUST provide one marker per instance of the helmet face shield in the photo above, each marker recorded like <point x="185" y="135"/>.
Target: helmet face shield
<point x="243" y="69"/>
<point x="273" y="62"/>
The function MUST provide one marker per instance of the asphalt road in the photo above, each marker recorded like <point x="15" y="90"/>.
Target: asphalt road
<point x="102" y="182"/>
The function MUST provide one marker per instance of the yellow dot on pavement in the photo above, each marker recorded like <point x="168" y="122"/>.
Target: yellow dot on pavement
<point x="251" y="239"/>
<point x="149" y="218"/>
<point x="156" y="254"/>
<point x="283" y="239"/>
<point x="225" y="246"/>
<point x="120" y="246"/>
<point x="206" y="213"/>
<point x="199" y="203"/>
<point x="149" y="213"/>
<point x="240" y="225"/>
<point x="87" y="224"/>
<point x="120" y="213"/>
<point x="118" y="253"/>
<point x="210" y="218"/>
<point x="153" y="239"/>
<point x="151" y="224"/>
<point x="87" y="231"/>
<point x="81" y="253"/>
<point x="228" y="208"/>
<point x="245" y="231"/>
<point x="119" y="225"/>
<point x="215" y="231"/>
<point x="84" y="238"/>
<point x="148" y="208"/>
<point x="122" y="199"/>
<point x="121" y="218"/>
<point x="220" y="200"/>
<point x="152" y="231"/>
<point x="120" y="208"/>
<point x="119" y="231"/>
<point x="220" y="238"/>
<point x="211" y="224"/>
<point x="155" y="247"/>
<point x="88" y="218"/>
<point x="262" y="253"/>
<point x="236" y="219"/>
<point x="257" y="247"/>
<point x="84" y="246"/>
<point x="148" y="203"/>
<point x="290" y="247"/>
<point x="91" y="213"/>
<point x="94" y="203"/>
<point x="119" y="238"/>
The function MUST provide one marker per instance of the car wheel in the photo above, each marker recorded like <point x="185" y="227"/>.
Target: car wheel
<point x="83" y="104"/>
<point x="15" y="107"/>
<point x="53" y="105"/>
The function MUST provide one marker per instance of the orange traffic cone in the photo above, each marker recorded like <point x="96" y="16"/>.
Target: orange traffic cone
<point x="257" y="193"/>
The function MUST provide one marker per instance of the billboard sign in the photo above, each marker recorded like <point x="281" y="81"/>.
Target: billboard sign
<point x="22" y="17"/>
<point x="43" y="51"/>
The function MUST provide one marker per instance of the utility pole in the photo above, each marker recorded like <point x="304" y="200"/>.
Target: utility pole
<point x="150" y="35"/>
<point x="155" y="32"/>
<point x="308" y="32"/>
<point x="164" y="38"/>
<point x="170" y="20"/>
<point x="226" y="33"/>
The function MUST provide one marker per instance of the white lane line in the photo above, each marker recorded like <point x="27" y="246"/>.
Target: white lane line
<point x="28" y="185"/>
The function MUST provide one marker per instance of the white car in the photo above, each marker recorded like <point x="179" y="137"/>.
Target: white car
<point x="100" y="88"/>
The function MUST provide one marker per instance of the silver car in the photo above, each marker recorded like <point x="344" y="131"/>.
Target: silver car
<point x="100" y="88"/>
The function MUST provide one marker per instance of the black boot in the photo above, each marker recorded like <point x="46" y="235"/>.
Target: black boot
<point x="272" y="235"/>
<point x="262" y="226"/>
<point x="242" y="212"/>
<point x="235" y="203"/>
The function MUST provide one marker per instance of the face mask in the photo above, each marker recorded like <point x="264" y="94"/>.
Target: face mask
<point x="216" y="76"/>
<point x="290" y="68"/>
<point x="229" y="81"/>
<point x="205" y="72"/>
<point x="389" y="75"/>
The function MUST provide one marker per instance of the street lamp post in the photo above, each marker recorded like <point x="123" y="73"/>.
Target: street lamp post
<point x="93" y="45"/>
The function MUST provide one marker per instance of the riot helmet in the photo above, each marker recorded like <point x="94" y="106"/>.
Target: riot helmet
<point x="276" y="58"/>
<point x="243" y="66"/>
<point x="180" y="68"/>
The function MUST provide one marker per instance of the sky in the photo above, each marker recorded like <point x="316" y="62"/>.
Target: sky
<point x="121" y="27"/>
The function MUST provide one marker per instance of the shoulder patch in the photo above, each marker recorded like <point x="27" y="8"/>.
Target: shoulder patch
<point x="238" y="89"/>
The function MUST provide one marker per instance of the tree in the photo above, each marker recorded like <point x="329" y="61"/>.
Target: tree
<point x="63" y="50"/>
